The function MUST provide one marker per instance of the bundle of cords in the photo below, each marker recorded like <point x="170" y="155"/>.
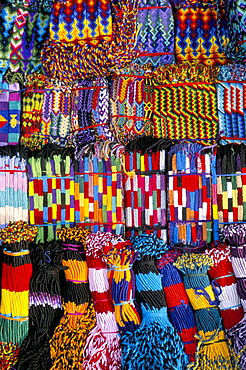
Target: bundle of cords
<point x="69" y="338"/>
<point x="13" y="185"/>
<point x="178" y="304"/>
<point x="80" y="56"/>
<point x="98" y="188"/>
<point x="120" y="257"/>
<point x="51" y="190"/>
<point x="15" y="282"/>
<point x="213" y="351"/>
<point x="155" y="344"/>
<point x="145" y="193"/>
<point x="189" y="194"/>
<point x="236" y="236"/>
<point x="45" y="307"/>
<point x="102" y="349"/>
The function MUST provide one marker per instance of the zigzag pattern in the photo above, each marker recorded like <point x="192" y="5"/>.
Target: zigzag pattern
<point x="205" y="43"/>
<point x="156" y="33"/>
<point x="80" y="21"/>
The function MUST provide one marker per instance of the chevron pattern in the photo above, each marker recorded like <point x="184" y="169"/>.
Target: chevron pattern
<point x="200" y="32"/>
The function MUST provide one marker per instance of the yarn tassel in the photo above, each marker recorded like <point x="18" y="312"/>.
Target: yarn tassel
<point x="213" y="350"/>
<point x="102" y="349"/>
<point x="178" y="304"/>
<point x="45" y="307"/>
<point x="155" y="344"/>
<point x="15" y="281"/>
<point x="235" y="236"/>
<point x="69" y="338"/>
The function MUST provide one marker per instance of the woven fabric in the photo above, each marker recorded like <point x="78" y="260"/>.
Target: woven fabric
<point x="51" y="190"/>
<point x="98" y="193"/>
<point x="184" y="102"/>
<point x="22" y="35"/>
<point x="81" y="21"/>
<point x="10" y="110"/>
<point x="69" y="60"/>
<point x="156" y="32"/>
<point x="13" y="189"/>
<point x="200" y="31"/>
<point x="41" y="5"/>
<point x="189" y="194"/>
<point x="130" y="105"/>
<point x="90" y="112"/>
<point x="230" y="96"/>
<point x="145" y="190"/>
<point x="236" y="18"/>
<point x="231" y="183"/>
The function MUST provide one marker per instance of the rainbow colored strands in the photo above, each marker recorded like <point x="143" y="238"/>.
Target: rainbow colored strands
<point x="178" y="304"/>
<point x="184" y="102"/>
<point x="16" y="274"/>
<point x="51" y="190"/>
<point x="145" y="186"/>
<point x="23" y="32"/>
<point x="102" y="349"/>
<point x="130" y="108"/>
<point x="13" y="186"/>
<point x="69" y="338"/>
<point x="120" y="256"/>
<point x="200" y="31"/>
<point x="230" y="306"/>
<point x="189" y="194"/>
<point x="45" y="307"/>
<point x="213" y="351"/>
<point x="231" y="183"/>
<point x="10" y="108"/>
<point x="90" y="112"/>
<point x="155" y="344"/>
<point x="85" y="55"/>
<point x="235" y="236"/>
<point x="98" y="188"/>
<point x="236" y="17"/>
<point x="156" y="34"/>
<point x="230" y="96"/>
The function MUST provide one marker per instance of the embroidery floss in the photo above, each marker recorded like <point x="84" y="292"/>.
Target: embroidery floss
<point x="213" y="350"/>
<point x="16" y="274"/>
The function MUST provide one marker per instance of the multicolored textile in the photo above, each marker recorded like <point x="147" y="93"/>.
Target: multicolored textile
<point x="178" y="305"/>
<point x="98" y="190"/>
<point x="189" y="194"/>
<point x="236" y="20"/>
<point x="130" y="105"/>
<point x="51" y="190"/>
<point x="156" y="32"/>
<point x="81" y="21"/>
<point x="22" y="35"/>
<point x="46" y="113"/>
<point x="90" y="112"/>
<point x="200" y="31"/>
<point x="145" y="187"/>
<point x="231" y="183"/>
<point x="184" y="102"/>
<point x="16" y="273"/>
<point x="13" y="188"/>
<point x="231" y="106"/>
<point x="68" y="58"/>
<point x="10" y="110"/>
<point x="213" y="351"/>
